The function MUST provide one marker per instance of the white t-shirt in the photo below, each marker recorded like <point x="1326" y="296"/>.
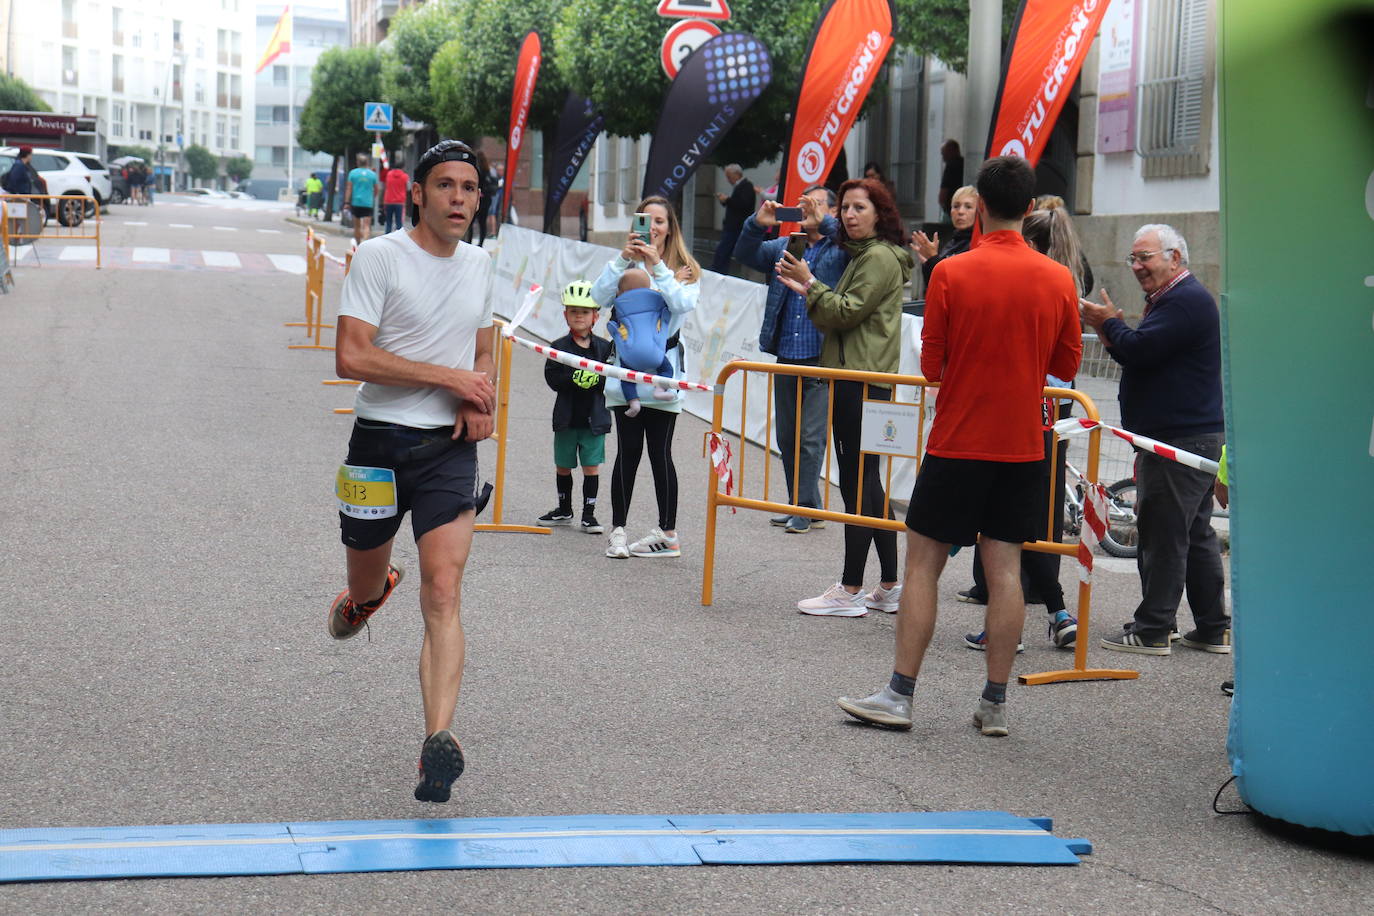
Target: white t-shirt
<point x="426" y="309"/>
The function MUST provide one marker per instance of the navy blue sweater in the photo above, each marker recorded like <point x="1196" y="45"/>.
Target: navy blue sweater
<point x="1171" y="365"/>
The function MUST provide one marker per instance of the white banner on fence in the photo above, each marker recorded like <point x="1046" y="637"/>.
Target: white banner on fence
<point x="725" y="326"/>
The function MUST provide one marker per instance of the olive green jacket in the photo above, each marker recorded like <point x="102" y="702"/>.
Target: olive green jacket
<point x="862" y="316"/>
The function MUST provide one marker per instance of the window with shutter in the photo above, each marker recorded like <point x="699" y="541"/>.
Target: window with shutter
<point x="1175" y="123"/>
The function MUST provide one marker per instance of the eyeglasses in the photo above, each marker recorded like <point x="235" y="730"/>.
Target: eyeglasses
<point x="1133" y="259"/>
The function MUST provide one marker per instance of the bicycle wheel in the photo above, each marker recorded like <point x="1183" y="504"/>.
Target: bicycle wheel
<point x="1122" y="538"/>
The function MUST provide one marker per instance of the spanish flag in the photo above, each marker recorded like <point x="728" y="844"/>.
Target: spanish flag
<point x="280" y="43"/>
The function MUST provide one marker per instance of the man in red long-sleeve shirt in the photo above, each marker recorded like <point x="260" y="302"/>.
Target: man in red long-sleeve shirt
<point x="998" y="320"/>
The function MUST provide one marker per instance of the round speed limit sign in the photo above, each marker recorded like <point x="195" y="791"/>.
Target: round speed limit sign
<point x="682" y="39"/>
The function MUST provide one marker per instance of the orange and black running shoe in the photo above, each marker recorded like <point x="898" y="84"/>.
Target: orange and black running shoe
<point x="441" y="762"/>
<point x="347" y="618"/>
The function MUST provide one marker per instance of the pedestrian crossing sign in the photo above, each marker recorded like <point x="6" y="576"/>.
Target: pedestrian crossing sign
<point x="376" y="116"/>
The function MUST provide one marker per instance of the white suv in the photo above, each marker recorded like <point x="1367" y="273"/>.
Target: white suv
<point x="101" y="184"/>
<point x="65" y="176"/>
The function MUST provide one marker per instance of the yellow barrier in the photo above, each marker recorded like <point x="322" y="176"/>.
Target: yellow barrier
<point x="716" y="499"/>
<point x="73" y="204"/>
<point x="314" y="294"/>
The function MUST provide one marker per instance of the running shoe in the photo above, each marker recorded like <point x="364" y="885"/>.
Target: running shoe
<point x="441" y="762"/>
<point x="886" y="708"/>
<point x="991" y="718"/>
<point x="1063" y="629"/>
<point x="979" y="641"/>
<point x="346" y="618"/>
<point x="884" y="599"/>
<point x="558" y="516"/>
<point x="835" y="601"/>
<point x="615" y="545"/>
<point x="656" y="544"/>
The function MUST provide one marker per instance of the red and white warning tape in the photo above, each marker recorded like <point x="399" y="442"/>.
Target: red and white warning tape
<point x="718" y="449"/>
<point x="577" y="362"/>
<point x="1075" y="425"/>
<point x="1094" y="528"/>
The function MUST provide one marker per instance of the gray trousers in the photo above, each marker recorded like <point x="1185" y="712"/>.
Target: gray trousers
<point x="1178" y="549"/>
<point x="815" y="402"/>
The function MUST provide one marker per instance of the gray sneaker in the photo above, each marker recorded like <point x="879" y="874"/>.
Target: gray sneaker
<point x="991" y="718"/>
<point x="885" y="708"/>
<point x="780" y="521"/>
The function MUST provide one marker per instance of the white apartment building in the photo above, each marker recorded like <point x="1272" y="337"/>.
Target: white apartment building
<point x="280" y="93"/>
<point x="156" y="73"/>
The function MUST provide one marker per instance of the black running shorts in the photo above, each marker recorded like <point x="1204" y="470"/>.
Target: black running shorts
<point x="436" y="479"/>
<point x="361" y="212"/>
<point x="957" y="499"/>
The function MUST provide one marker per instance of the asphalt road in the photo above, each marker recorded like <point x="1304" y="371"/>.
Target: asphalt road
<point x="172" y="547"/>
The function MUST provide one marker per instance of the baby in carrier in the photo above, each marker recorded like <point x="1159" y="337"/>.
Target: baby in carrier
<point x="639" y="327"/>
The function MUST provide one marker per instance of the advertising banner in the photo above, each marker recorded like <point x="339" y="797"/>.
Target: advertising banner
<point x="578" y="127"/>
<point x="847" y="49"/>
<point x="1297" y="98"/>
<point x="522" y="94"/>
<point x="1049" y="40"/>
<point x="714" y="88"/>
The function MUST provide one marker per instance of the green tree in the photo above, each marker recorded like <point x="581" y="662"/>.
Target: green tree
<point x="201" y="163"/>
<point x="344" y="79"/>
<point x="415" y="35"/>
<point x="608" y="51"/>
<point x="17" y="95"/>
<point x="940" y="28"/>
<point x="238" y="168"/>
<point x="471" y="76"/>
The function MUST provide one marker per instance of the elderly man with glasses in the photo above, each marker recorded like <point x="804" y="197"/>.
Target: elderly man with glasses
<point x="1171" y="391"/>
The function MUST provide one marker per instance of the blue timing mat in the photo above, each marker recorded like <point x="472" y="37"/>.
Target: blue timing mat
<point x="332" y="847"/>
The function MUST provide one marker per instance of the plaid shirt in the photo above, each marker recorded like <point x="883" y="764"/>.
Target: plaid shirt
<point x="799" y="338"/>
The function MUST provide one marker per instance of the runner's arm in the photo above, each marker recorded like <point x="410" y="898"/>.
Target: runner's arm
<point x="357" y="357"/>
<point x="472" y="421"/>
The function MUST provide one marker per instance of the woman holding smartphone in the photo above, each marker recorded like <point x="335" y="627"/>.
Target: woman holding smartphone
<point x="674" y="273"/>
<point x="862" y="322"/>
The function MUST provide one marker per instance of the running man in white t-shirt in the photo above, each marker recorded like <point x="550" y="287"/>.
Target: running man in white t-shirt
<point x="415" y="326"/>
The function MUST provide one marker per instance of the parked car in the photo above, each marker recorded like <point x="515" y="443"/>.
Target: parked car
<point x="7" y="162"/>
<point x="206" y="192"/>
<point x="101" y="182"/>
<point x="64" y="176"/>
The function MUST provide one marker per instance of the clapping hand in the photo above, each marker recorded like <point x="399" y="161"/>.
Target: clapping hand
<point x="1095" y="315"/>
<point x="926" y="247"/>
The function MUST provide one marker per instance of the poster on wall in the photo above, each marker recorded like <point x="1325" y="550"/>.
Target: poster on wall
<point x="1116" y="79"/>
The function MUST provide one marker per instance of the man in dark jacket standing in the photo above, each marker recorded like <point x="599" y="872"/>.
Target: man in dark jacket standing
<point x="788" y="334"/>
<point x="1170" y="391"/>
<point x="739" y="204"/>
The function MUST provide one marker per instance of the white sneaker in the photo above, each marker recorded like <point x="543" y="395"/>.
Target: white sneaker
<point x="615" y="547"/>
<point x="884" y="599"/>
<point x="885" y="708"/>
<point x="656" y="544"/>
<point x="835" y="602"/>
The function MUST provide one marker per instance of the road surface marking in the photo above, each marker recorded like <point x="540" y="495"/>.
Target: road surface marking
<point x="152" y="255"/>
<point x="220" y="259"/>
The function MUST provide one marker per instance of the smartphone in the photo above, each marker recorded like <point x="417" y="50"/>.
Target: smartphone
<point x="796" y="245"/>
<point x="788" y="214"/>
<point x="642" y="222"/>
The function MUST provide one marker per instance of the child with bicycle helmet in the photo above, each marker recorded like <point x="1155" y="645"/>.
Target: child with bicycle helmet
<point x="580" y="418"/>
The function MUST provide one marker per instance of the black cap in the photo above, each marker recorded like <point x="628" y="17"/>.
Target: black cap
<point x="443" y="151"/>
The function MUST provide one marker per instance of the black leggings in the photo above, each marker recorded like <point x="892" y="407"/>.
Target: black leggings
<point x="657" y="427"/>
<point x="846" y="423"/>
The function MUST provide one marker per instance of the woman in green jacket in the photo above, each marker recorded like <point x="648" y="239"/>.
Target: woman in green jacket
<point x="862" y="322"/>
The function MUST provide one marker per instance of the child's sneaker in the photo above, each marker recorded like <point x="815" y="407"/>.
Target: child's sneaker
<point x="656" y="544"/>
<point x="590" y="524"/>
<point x="556" y="517"/>
<point x="1063" y="629"/>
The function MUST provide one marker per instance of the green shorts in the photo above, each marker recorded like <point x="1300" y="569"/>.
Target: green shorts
<point x="568" y="444"/>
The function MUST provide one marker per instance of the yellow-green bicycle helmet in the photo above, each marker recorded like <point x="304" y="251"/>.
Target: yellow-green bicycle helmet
<point x="578" y="295"/>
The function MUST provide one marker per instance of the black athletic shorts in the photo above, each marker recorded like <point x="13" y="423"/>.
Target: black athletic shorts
<point x="436" y="479"/>
<point x="957" y="499"/>
<point x="361" y="212"/>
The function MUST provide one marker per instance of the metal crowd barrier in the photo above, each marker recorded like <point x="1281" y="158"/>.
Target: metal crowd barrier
<point x="716" y="498"/>
<point x="33" y="229"/>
